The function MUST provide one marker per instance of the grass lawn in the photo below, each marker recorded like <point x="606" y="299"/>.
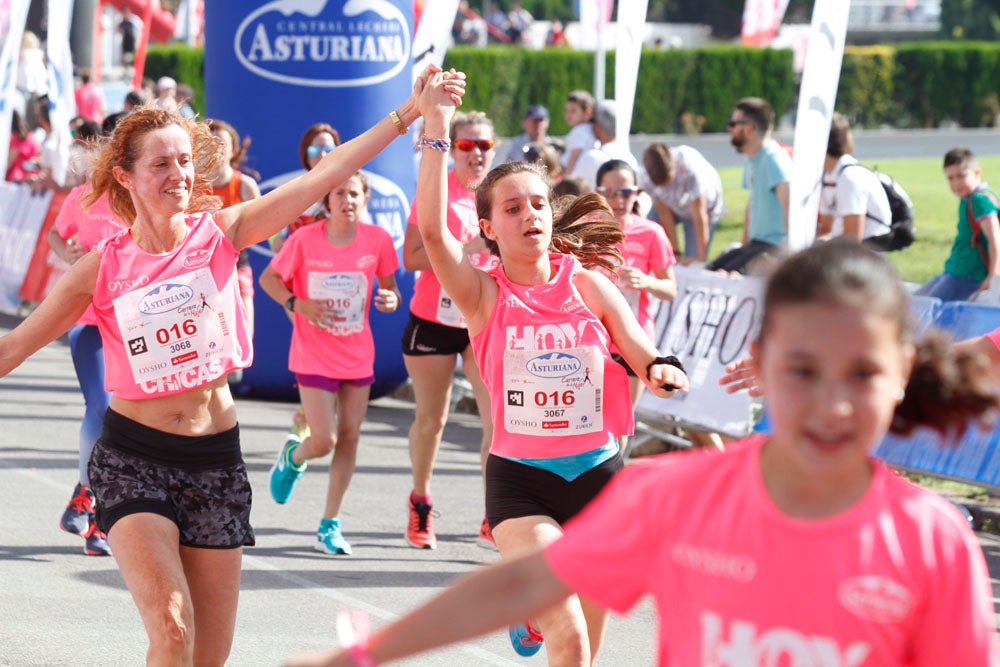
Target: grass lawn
<point x="935" y="211"/>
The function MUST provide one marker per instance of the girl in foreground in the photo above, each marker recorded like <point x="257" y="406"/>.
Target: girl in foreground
<point x="794" y="548"/>
<point x="171" y="486"/>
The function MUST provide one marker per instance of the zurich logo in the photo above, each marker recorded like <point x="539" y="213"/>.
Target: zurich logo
<point x="325" y="43"/>
<point x="554" y="365"/>
<point x="165" y="298"/>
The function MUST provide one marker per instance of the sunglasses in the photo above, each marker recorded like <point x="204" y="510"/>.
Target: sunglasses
<point x="624" y="193"/>
<point x="468" y="145"/>
<point x="733" y="123"/>
<point x="316" y="151"/>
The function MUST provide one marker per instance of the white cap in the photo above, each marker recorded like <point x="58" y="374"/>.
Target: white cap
<point x="165" y="82"/>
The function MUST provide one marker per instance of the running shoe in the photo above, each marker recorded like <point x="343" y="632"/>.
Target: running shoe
<point x="485" y="534"/>
<point x="420" y="530"/>
<point x="76" y="518"/>
<point x="284" y="473"/>
<point x="97" y="541"/>
<point x="300" y="427"/>
<point x="330" y="540"/>
<point x="526" y="640"/>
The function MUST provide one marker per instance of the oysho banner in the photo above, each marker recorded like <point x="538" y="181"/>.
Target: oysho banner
<point x="272" y="69"/>
<point x="709" y="324"/>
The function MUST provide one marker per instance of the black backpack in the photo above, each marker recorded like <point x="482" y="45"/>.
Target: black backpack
<point x="901" y="232"/>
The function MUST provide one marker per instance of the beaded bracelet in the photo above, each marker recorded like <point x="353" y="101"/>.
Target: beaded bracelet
<point x="442" y="145"/>
<point x="398" y="122"/>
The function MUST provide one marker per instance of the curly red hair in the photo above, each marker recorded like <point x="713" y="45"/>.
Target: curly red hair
<point x="124" y="147"/>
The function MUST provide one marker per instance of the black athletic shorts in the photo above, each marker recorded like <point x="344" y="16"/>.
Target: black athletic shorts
<point x="423" y="337"/>
<point x="514" y="490"/>
<point x="199" y="483"/>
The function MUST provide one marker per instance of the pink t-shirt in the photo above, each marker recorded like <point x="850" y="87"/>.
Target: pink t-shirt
<point x="994" y="337"/>
<point x="344" y="275"/>
<point x="90" y="102"/>
<point x="897" y="579"/>
<point x="430" y="301"/>
<point x="89" y="226"/>
<point x="646" y="248"/>
<point x="173" y="321"/>
<point x="544" y="358"/>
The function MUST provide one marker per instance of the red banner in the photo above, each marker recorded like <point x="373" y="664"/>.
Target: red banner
<point x="45" y="268"/>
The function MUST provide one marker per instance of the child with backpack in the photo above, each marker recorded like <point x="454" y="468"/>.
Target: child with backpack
<point x="975" y="256"/>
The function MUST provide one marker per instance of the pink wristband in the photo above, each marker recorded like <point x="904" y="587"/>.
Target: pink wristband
<point x="359" y="655"/>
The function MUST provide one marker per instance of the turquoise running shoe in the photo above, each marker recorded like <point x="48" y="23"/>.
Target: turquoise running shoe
<point x="284" y="473"/>
<point x="526" y="640"/>
<point x="330" y="540"/>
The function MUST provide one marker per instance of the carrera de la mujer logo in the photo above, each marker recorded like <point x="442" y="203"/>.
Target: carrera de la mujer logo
<point x="325" y="43"/>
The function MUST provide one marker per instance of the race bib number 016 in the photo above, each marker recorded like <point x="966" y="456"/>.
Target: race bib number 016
<point x="173" y="325"/>
<point x="554" y="392"/>
<point x="346" y="294"/>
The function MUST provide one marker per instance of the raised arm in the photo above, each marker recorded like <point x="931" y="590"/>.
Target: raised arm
<point x="463" y="282"/>
<point x="251" y="222"/>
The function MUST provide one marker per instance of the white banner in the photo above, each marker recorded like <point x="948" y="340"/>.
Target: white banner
<point x="594" y="18"/>
<point x="62" y="103"/>
<point x="631" y="31"/>
<point x="8" y="73"/>
<point x="22" y="213"/>
<point x="761" y="20"/>
<point x="817" y="95"/>
<point x="710" y="323"/>
<point x="433" y="33"/>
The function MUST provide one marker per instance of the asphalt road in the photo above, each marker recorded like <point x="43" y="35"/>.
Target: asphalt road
<point x="61" y="607"/>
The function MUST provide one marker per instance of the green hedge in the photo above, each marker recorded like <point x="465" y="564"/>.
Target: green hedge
<point x="693" y="90"/>
<point x="184" y="63"/>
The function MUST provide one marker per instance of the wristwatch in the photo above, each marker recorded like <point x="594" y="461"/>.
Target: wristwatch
<point x="290" y="304"/>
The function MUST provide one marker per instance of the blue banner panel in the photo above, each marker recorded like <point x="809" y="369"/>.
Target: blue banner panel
<point x="272" y="69"/>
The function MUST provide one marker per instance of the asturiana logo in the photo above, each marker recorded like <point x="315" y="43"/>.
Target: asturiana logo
<point x="554" y="365"/>
<point x="340" y="283"/>
<point x="165" y="298"/>
<point x="325" y="43"/>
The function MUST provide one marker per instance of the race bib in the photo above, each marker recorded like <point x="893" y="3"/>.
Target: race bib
<point x="553" y="392"/>
<point x="173" y="325"/>
<point x="346" y="294"/>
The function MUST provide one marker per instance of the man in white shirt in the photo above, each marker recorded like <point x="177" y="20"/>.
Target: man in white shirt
<point x="610" y="148"/>
<point x="853" y="203"/>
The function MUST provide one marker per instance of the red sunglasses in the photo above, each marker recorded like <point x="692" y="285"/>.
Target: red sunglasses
<point x="467" y="145"/>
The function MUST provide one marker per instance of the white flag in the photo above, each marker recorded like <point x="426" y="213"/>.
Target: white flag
<point x="761" y="20"/>
<point x="817" y="95"/>
<point x="631" y="30"/>
<point x="8" y="73"/>
<point x="433" y="33"/>
<point x="594" y="15"/>
<point x="62" y="103"/>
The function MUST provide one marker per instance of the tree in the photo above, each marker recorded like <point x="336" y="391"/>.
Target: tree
<point x="970" y="19"/>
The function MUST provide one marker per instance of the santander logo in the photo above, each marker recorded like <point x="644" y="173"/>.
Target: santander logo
<point x="323" y="43"/>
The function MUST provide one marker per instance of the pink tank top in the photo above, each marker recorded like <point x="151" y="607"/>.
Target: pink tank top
<point x="174" y="321"/>
<point x="89" y="226"/>
<point x="430" y="301"/>
<point x="544" y="357"/>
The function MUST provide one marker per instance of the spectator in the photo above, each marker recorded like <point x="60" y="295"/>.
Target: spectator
<point x="497" y="25"/>
<point x="577" y="113"/>
<point x="133" y="100"/>
<point x="556" y="35"/>
<point x="519" y="21"/>
<point x="974" y="260"/>
<point x="32" y="75"/>
<point x="609" y="148"/>
<point x="547" y="156"/>
<point x="166" y="89"/>
<point x="129" y="29"/>
<point x="22" y="160"/>
<point x="766" y="174"/>
<point x="185" y="94"/>
<point x="536" y="131"/>
<point x="89" y="98"/>
<point x="685" y="188"/>
<point x="569" y="187"/>
<point x="853" y="203"/>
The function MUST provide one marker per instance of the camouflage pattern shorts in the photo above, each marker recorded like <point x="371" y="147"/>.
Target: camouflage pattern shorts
<point x="210" y="506"/>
